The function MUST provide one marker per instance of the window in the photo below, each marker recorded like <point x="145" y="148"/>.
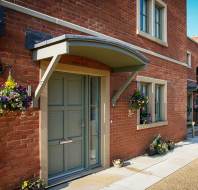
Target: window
<point x="188" y="58"/>
<point x="158" y="102"/>
<point x="158" y="22"/>
<point x="144" y="17"/>
<point x="152" y="20"/>
<point x="155" y="113"/>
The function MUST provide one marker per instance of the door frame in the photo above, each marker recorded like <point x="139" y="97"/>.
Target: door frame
<point x="104" y="113"/>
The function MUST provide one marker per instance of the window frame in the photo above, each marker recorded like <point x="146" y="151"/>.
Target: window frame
<point x="153" y="82"/>
<point x="151" y="33"/>
<point x="189" y="58"/>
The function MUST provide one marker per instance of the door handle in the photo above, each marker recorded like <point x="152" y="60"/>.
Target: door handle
<point x="65" y="141"/>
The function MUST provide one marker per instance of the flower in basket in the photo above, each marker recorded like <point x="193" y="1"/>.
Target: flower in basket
<point x="137" y="101"/>
<point x="10" y="83"/>
<point x="13" y="97"/>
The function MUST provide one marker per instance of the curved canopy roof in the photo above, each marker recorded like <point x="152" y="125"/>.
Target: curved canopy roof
<point x="118" y="56"/>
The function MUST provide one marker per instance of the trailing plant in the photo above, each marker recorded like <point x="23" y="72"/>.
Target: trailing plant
<point x="137" y="101"/>
<point x="33" y="184"/>
<point x="160" y="146"/>
<point x="13" y="97"/>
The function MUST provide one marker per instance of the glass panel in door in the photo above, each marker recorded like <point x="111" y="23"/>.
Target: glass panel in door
<point x="94" y="130"/>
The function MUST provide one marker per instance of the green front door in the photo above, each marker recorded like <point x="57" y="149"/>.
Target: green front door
<point x="73" y="124"/>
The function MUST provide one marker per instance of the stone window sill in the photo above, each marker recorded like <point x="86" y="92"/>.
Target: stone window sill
<point x="151" y="125"/>
<point x="152" y="38"/>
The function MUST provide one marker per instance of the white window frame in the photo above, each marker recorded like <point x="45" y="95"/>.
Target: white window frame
<point x="189" y="58"/>
<point x="151" y="34"/>
<point x="153" y="82"/>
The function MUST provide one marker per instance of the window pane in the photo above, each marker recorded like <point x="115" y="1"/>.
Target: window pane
<point x="144" y="7"/>
<point x="144" y="24"/>
<point x="189" y="107"/>
<point x="158" y="102"/>
<point x="157" y="15"/>
<point x="188" y="58"/>
<point x="94" y="120"/>
<point x="144" y="15"/>
<point x="158" y="22"/>
<point x="157" y="31"/>
<point x="145" y="116"/>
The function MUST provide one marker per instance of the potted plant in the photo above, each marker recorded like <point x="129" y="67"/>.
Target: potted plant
<point x="118" y="163"/>
<point x="171" y="145"/>
<point x="13" y="97"/>
<point x="160" y="146"/>
<point x="137" y="101"/>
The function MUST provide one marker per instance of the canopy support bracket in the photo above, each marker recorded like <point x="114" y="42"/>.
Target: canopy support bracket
<point x="117" y="95"/>
<point x="51" y="67"/>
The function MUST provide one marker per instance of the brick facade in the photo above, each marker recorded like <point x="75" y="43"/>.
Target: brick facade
<point x="19" y="134"/>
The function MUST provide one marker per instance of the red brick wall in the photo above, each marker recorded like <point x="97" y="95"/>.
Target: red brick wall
<point x="193" y="48"/>
<point x="19" y="148"/>
<point x="19" y="134"/>
<point x="116" y="18"/>
<point x="126" y="140"/>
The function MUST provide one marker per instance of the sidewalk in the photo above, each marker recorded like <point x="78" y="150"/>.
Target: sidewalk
<point x="140" y="172"/>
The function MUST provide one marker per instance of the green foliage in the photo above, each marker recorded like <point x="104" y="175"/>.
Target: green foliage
<point x="160" y="146"/>
<point x="13" y="97"/>
<point x="34" y="184"/>
<point x="137" y="101"/>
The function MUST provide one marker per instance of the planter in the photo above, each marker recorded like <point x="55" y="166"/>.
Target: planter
<point x="118" y="163"/>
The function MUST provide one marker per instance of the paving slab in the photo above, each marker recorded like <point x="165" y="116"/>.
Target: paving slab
<point x="138" y="181"/>
<point x="140" y="172"/>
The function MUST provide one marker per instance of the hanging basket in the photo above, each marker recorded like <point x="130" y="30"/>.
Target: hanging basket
<point x="13" y="97"/>
<point x="136" y="102"/>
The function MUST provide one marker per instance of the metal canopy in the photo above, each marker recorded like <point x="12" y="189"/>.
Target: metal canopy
<point x="118" y="56"/>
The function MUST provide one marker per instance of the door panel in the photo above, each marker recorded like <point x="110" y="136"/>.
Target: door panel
<point x="74" y="124"/>
<point x="55" y="126"/>
<point x="55" y="90"/>
<point x="74" y="155"/>
<point x="74" y="91"/>
<point x="55" y="159"/>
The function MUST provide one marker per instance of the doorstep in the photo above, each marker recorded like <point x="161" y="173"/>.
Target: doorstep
<point x="138" y="173"/>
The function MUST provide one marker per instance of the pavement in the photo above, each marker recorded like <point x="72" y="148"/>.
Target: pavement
<point x="138" y="173"/>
